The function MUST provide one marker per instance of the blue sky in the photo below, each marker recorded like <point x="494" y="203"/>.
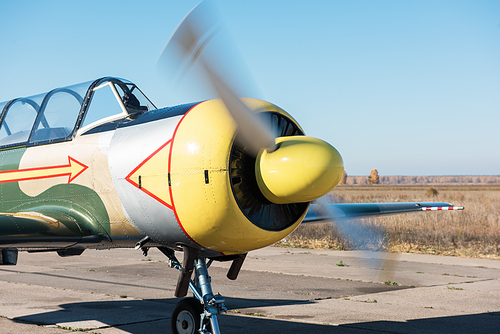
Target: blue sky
<point x="407" y="87"/>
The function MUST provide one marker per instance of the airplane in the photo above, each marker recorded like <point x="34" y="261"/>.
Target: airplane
<point x="97" y="165"/>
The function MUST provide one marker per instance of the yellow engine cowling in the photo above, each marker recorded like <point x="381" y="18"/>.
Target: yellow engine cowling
<point x="215" y="197"/>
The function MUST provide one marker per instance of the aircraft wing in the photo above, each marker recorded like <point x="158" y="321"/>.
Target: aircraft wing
<point x="320" y="213"/>
<point x="47" y="229"/>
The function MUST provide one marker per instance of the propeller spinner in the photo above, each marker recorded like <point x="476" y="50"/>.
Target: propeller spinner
<point x="301" y="169"/>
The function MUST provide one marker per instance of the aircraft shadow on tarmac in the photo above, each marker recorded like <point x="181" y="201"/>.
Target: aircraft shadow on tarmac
<point x="150" y="316"/>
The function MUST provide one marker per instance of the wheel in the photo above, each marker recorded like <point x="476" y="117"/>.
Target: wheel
<point x="186" y="316"/>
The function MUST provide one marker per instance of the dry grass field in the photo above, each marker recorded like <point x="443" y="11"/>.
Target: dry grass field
<point x="474" y="232"/>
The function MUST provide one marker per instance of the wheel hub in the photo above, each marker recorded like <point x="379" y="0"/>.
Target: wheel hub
<point x="185" y="323"/>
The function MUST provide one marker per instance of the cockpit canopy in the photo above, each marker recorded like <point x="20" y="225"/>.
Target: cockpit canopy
<point x="62" y="113"/>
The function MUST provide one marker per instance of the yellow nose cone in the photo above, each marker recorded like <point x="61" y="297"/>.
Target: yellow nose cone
<point x="301" y="169"/>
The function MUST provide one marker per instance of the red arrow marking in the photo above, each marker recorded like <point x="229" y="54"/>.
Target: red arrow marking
<point x="73" y="169"/>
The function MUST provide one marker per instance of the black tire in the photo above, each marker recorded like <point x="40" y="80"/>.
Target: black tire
<point x="186" y="316"/>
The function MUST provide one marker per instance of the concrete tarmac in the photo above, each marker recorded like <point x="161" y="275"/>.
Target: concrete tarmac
<point x="279" y="290"/>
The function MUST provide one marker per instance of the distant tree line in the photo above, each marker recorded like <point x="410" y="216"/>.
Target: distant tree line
<point x="374" y="178"/>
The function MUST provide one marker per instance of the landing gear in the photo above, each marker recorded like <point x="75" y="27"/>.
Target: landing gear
<point x="198" y="314"/>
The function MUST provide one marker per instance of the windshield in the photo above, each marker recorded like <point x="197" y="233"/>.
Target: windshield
<point x="113" y="99"/>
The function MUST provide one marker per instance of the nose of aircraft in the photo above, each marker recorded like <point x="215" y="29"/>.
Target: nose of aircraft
<point x="301" y="169"/>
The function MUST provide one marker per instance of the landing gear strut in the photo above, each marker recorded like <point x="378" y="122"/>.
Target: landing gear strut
<point x="198" y="314"/>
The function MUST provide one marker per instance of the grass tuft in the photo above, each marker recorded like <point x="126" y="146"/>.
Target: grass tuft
<point x="453" y="288"/>
<point x="340" y="264"/>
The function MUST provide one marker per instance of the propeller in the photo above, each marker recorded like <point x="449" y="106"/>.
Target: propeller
<point x="290" y="169"/>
